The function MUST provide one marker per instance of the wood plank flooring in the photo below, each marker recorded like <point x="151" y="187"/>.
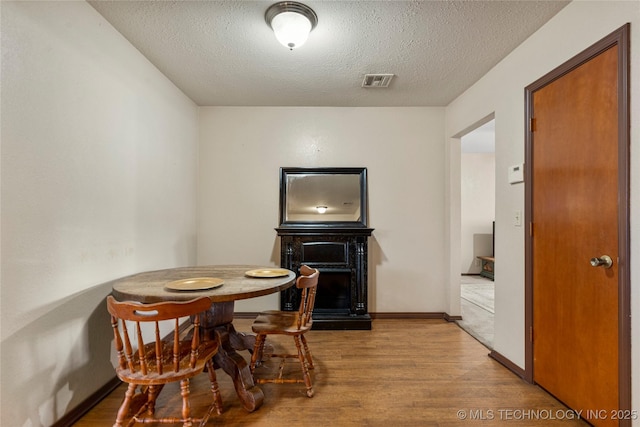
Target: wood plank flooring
<point x="401" y="373"/>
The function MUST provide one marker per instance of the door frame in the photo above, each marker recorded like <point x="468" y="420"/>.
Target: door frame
<point x="620" y="37"/>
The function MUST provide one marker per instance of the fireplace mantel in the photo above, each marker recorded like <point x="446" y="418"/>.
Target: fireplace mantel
<point x="340" y="253"/>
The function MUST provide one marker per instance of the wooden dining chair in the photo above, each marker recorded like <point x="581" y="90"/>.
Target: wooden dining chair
<point x="151" y="363"/>
<point x="292" y="323"/>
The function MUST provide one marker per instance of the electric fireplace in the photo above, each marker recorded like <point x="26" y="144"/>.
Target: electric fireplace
<point x="334" y="241"/>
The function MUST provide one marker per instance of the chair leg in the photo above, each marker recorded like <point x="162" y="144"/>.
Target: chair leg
<point x="152" y="395"/>
<point x="186" y="406"/>
<point x="307" y="352"/>
<point x="215" y="390"/>
<point x="257" y="352"/>
<point x="124" y="408"/>
<point x="217" y="399"/>
<point x="303" y="364"/>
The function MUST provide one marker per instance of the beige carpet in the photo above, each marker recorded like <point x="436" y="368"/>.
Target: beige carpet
<point x="480" y="294"/>
<point x="477" y="308"/>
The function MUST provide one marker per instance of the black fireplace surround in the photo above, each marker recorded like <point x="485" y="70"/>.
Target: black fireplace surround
<point x="335" y="244"/>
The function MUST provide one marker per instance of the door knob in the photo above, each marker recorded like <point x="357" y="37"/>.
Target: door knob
<point x="604" y="261"/>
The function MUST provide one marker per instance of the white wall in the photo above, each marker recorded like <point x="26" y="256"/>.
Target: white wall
<point x="477" y="209"/>
<point x="99" y="156"/>
<point x="99" y="180"/>
<point x="575" y="28"/>
<point x="242" y="149"/>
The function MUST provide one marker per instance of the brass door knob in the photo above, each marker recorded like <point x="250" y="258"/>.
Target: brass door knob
<point x="604" y="261"/>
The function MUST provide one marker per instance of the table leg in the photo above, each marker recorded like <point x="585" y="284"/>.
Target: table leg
<point x="242" y="341"/>
<point x="217" y="324"/>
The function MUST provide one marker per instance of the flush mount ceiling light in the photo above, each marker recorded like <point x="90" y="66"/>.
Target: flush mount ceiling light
<point x="291" y="22"/>
<point x="321" y="209"/>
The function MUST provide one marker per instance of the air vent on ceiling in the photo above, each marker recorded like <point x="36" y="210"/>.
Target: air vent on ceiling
<point x="377" y="80"/>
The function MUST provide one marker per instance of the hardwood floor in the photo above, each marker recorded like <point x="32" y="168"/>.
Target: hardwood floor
<point x="402" y="373"/>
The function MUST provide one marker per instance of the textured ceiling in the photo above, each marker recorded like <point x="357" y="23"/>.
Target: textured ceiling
<point x="222" y="53"/>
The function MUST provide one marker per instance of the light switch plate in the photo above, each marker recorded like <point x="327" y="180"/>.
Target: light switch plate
<point x="517" y="218"/>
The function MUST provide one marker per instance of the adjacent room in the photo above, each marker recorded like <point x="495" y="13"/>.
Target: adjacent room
<point x="477" y="230"/>
<point x="155" y="146"/>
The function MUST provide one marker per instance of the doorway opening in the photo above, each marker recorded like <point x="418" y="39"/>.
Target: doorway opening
<point x="477" y="225"/>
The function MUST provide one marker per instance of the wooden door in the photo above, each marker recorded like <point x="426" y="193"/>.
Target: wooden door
<point x="575" y="213"/>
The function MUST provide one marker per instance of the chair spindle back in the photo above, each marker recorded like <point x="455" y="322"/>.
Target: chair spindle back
<point x="308" y="282"/>
<point x="150" y="357"/>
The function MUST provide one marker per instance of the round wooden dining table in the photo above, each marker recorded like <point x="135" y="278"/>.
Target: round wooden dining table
<point x="232" y="283"/>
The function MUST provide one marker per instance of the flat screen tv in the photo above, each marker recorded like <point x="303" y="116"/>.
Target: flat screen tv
<point x="493" y="240"/>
